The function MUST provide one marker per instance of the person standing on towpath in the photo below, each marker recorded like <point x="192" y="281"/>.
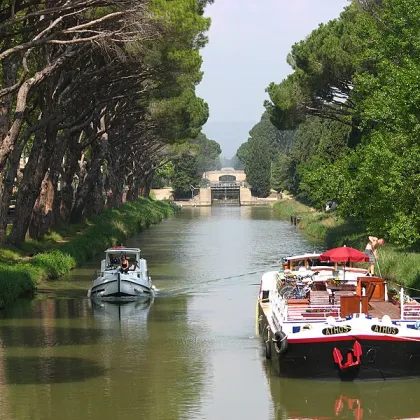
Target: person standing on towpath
<point x="371" y="251"/>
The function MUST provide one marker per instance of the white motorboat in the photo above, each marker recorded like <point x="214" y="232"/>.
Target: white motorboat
<point x="118" y="282"/>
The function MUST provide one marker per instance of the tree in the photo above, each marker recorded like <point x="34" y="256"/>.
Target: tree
<point x="93" y="92"/>
<point x="208" y="152"/>
<point x="186" y="175"/>
<point x="322" y="80"/>
<point x="258" y="166"/>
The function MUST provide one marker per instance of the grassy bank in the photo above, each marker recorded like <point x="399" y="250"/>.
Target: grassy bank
<point x="23" y="269"/>
<point x="395" y="265"/>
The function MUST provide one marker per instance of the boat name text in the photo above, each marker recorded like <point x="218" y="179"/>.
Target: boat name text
<point x="343" y="329"/>
<point x="383" y="329"/>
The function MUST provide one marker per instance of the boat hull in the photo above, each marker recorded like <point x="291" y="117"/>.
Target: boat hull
<point x="121" y="287"/>
<point x="382" y="358"/>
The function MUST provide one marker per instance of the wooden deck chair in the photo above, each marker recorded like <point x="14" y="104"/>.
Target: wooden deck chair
<point x="369" y="291"/>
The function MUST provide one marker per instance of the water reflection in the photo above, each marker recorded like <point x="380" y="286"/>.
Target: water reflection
<point x="45" y="336"/>
<point x="130" y="317"/>
<point x="48" y="370"/>
<point x="137" y="311"/>
<point x="300" y="399"/>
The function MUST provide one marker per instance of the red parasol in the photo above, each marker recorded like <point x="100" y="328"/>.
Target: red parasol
<point x="344" y="254"/>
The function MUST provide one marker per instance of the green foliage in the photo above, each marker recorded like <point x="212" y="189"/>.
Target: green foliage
<point x="258" y="166"/>
<point x="178" y="113"/>
<point x="190" y="161"/>
<point x="55" y="263"/>
<point x="388" y="99"/>
<point x="186" y="174"/>
<point x="163" y="175"/>
<point x="283" y="171"/>
<point x="261" y="156"/>
<point x="324" y="64"/>
<point x="242" y="153"/>
<point x="361" y="69"/>
<point x="15" y="281"/>
<point x="208" y="152"/>
<point x="137" y="84"/>
<point x="179" y="118"/>
<point x="236" y="163"/>
<point x="284" y="108"/>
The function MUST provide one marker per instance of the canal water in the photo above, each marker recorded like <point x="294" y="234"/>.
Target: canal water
<point x="192" y="353"/>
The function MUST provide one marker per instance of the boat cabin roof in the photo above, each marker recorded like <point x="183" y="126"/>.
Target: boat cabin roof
<point x="123" y="250"/>
<point x="294" y="262"/>
<point x="314" y="256"/>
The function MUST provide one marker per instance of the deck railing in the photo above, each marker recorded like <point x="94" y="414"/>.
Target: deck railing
<point x="311" y="312"/>
<point x="300" y="309"/>
<point x="409" y="309"/>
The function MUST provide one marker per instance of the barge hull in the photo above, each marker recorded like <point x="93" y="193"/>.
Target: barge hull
<point x="382" y="359"/>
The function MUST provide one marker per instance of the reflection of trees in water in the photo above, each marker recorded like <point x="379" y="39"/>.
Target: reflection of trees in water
<point x="49" y="306"/>
<point x="50" y="336"/>
<point x="48" y="370"/>
<point x="5" y="411"/>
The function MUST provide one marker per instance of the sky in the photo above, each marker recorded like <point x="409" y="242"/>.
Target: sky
<point x="249" y="41"/>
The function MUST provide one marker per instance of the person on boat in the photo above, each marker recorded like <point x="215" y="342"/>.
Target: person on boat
<point x="371" y="251"/>
<point x="124" y="264"/>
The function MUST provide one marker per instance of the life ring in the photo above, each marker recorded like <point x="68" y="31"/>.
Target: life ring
<point x="280" y="341"/>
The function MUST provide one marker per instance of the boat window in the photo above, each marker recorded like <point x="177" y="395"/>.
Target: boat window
<point x="113" y="259"/>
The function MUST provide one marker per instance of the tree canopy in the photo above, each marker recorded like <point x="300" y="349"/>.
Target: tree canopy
<point x="93" y="95"/>
<point x="352" y="100"/>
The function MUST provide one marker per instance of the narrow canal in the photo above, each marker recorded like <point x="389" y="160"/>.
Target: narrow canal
<point x="190" y="354"/>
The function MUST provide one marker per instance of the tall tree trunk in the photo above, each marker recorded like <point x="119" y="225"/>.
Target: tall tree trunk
<point x="95" y="201"/>
<point x="114" y="183"/>
<point x="146" y="184"/>
<point x="8" y="142"/>
<point x="29" y="190"/>
<point x="131" y="193"/>
<point x="42" y="210"/>
<point x="71" y="163"/>
<point x="43" y="216"/>
<point x="9" y="72"/>
<point x="12" y="173"/>
<point x="137" y="188"/>
<point x="86" y="186"/>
